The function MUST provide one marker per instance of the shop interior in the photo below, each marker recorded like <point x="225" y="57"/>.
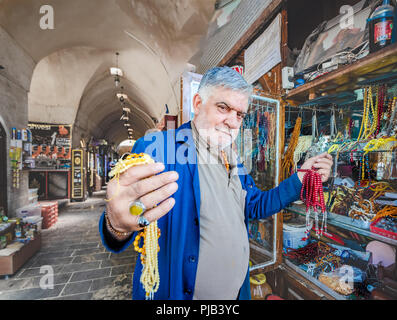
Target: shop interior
<point x="341" y="100"/>
<point x="333" y="90"/>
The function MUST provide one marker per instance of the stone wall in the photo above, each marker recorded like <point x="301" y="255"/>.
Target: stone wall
<point x="14" y="87"/>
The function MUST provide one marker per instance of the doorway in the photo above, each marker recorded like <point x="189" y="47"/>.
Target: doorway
<point x="3" y="169"/>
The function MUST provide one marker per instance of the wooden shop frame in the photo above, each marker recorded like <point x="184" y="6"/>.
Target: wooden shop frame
<point x="271" y="82"/>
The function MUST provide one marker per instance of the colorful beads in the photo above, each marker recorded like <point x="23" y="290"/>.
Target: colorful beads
<point x="313" y="196"/>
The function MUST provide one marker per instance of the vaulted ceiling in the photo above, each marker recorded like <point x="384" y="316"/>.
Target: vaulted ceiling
<point x="71" y="83"/>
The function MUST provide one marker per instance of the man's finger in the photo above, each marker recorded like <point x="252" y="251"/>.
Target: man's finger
<point x="148" y="185"/>
<point x="323" y="172"/>
<point x="325" y="155"/>
<point x="323" y="163"/>
<point x="140" y="172"/>
<point x="153" y="198"/>
<point x="159" y="211"/>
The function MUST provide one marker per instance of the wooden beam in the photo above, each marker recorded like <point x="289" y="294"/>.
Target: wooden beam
<point x="271" y="81"/>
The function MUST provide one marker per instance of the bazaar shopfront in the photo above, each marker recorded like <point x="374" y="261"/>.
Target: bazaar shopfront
<point x="337" y="94"/>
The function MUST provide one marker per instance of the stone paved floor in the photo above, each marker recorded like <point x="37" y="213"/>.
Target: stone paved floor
<point x="83" y="269"/>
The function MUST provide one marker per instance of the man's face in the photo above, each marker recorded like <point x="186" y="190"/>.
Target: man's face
<point x="220" y="118"/>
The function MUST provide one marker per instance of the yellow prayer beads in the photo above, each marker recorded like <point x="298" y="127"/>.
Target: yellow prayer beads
<point x="150" y="277"/>
<point x="130" y="161"/>
<point x="376" y="144"/>
<point x="367" y="131"/>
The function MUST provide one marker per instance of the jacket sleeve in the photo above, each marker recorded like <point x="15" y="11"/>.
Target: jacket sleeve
<point x="263" y="204"/>
<point x="108" y="241"/>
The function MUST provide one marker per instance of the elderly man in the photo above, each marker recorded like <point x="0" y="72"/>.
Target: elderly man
<point x="207" y="193"/>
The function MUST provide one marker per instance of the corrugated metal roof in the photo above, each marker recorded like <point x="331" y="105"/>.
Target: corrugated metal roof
<point x="223" y="41"/>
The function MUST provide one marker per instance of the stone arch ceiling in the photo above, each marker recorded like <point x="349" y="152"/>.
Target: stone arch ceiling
<point x="71" y="80"/>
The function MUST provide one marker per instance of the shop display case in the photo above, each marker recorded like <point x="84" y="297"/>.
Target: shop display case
<point x="355" y="258"/>
<point x="258" y="148"/>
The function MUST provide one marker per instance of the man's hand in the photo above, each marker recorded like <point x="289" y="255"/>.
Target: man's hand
<point x="322" y="163"/>
<point x="140" y="182"/>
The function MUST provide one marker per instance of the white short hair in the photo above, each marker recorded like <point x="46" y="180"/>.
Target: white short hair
<point x="223" y="77"/>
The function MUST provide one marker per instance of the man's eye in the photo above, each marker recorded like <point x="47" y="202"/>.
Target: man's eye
<point x="222" y="108"/>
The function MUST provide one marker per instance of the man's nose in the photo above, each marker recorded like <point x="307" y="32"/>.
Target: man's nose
<point x="231" y="120"/>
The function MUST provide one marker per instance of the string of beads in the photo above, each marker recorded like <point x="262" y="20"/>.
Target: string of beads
<point x="313" y="196"/>
<point x="150" y="277"/>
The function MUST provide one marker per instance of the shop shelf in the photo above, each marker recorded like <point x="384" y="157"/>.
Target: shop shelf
<point x="341" y="224"/>
<point x="322" y="286"/>
<point x="349" y="77"/>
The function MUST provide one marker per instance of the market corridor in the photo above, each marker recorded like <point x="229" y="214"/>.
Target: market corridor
<point x="83" y="269"/>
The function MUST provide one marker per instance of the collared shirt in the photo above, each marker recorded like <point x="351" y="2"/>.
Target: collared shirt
<point x="180" y="228"/>
<point x="224" y="247"/>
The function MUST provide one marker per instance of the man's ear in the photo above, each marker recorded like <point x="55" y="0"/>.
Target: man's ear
<point x="197" y="103"/>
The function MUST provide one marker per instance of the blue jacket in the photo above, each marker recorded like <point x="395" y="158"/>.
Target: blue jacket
<point x="180" y="232"/>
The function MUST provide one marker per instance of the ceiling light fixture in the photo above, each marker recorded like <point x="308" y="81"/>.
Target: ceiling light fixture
<point x="116" y="71"/>
<point x="121" y="96"/>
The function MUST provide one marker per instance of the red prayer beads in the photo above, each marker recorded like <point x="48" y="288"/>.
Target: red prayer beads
<point x="312" y="195"/>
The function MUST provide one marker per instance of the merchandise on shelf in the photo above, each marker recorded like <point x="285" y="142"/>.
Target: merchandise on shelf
<point x="359" y="243"/>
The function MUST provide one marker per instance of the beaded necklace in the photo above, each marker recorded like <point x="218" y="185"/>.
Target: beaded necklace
<point x="288" y="161"/>
<point x="313" y="196"/>
<point x="387" y="211"/>
<point x="365" y="130"/>
<point x="304" y="143"/>
<point x="374" y="110"/>
<point x="225" y="162"/>
<point x="150" y="277"/>
<point x="382" y="99"/>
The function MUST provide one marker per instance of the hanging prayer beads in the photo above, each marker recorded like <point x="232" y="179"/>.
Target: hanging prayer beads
<point x="150" y="277"/>
<point x="313" y="196"/>
<point x="288" y="162"/>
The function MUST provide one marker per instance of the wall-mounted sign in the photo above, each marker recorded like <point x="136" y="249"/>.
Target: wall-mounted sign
<point x="77" y="175"/>
<point x="264" y="53"/>
<point x="239" y="69"/>
<point x="190" y="85"/>
<point x="51" y="143"/>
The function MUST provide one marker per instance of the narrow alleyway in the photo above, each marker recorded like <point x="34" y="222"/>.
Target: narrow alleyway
<point x="83" y="268"/>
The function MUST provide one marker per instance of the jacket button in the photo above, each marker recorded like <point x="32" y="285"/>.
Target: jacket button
<point x="196" y="222"/>
<point x="188" y="291"/>
<point x="192" y="259"/>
